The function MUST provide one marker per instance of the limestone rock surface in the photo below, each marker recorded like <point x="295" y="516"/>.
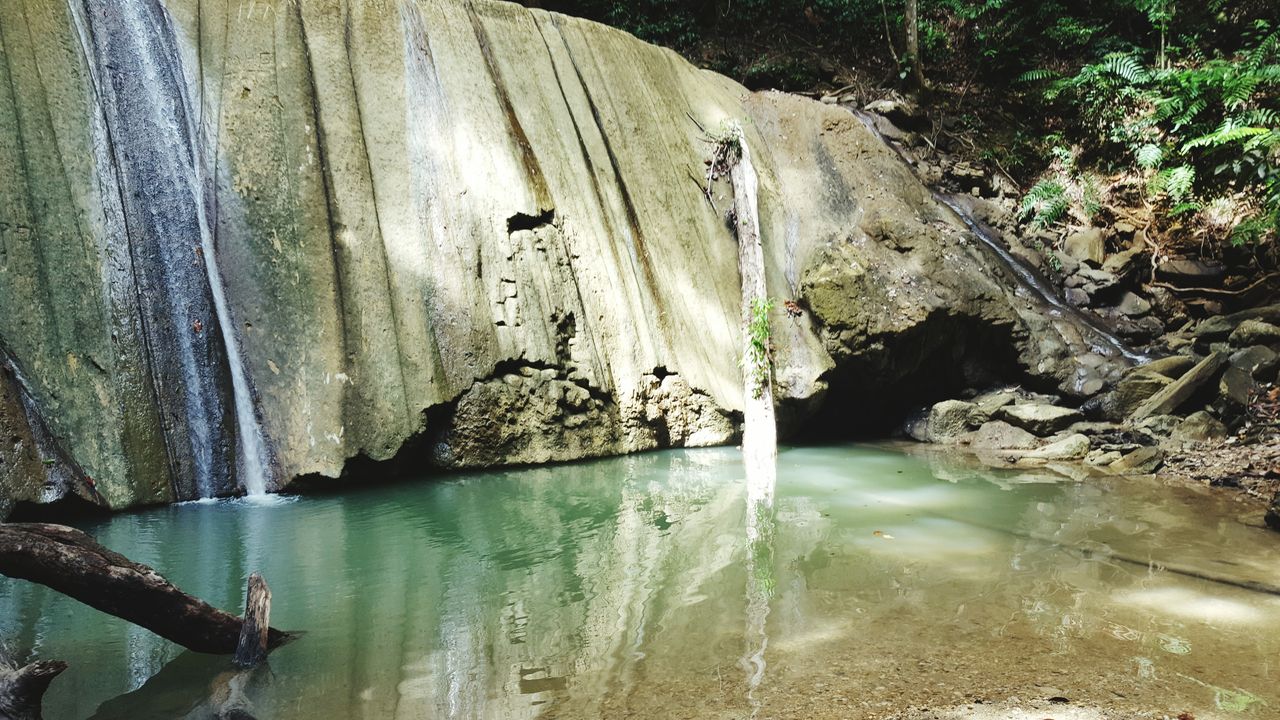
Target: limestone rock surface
<point x="471" y="230"/>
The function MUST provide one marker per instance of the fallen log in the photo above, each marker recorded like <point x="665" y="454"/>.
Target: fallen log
<point x="74" y="564"/>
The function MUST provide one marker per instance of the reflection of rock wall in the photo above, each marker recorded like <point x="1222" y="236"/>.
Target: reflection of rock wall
<point x="410" y="198"/>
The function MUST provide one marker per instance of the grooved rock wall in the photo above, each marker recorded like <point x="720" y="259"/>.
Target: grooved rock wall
<point x="471" y="227"/>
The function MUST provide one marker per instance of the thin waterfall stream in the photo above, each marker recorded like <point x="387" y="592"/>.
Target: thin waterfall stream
<point x="254" y="461"/>
<point x="1103" y="341"/>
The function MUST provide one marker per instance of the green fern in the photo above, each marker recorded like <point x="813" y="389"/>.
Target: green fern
<point x="1149" y="156"/>
<point x="1045" y="203"/>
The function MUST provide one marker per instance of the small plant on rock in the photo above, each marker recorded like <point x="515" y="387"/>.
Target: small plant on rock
<point x="759" y="358"/>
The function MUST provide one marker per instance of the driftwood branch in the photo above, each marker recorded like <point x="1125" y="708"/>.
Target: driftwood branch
<point x="75" y="565"/>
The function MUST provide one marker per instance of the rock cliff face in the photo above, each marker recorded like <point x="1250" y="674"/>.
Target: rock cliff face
<point x="467" y="231"/>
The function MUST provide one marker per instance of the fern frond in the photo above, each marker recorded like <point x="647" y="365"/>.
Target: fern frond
<point x="1037" y="75"/>
<point x="1149" y="156"/>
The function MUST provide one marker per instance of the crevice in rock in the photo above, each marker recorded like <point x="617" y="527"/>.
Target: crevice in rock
<point x="879" y="380"/>
<point x="522" y="221"/>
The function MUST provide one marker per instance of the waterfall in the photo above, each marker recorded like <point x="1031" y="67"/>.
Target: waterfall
<point x="1104" y="342"/>
<point x="254" y="460"/>
<point x="132" y="49"/>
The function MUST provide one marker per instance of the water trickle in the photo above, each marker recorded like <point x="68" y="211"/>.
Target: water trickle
<point x="1101" y="340"/>
<point x="254" y="461"/>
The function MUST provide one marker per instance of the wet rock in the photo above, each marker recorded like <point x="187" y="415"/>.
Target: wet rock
<point x="1071" y="447"/>
<point x="1200" y="427"/>
<point x="1077" y="297"/>
<point x="1259" y="361"/>
<point x="1041" y="420"/>
<point x="1273" y="515"/>
<point x="1188" y="273"/>
<point x="1132" y="305"/>
<point x="998" y="435"/>
<point x="1166" y="401"/>
<point x="1087" y="246"/>
<point x="1254" y="332"/>
<point x="1142" y="461"/>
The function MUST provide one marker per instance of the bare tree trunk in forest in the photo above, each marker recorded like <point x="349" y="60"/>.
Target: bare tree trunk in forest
<point x="912" y="26"/>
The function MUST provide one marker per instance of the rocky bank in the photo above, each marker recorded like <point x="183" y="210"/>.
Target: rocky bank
<point x="1201" y="403"/>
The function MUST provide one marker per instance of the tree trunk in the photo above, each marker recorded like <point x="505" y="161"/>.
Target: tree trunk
<point x="72" y="563"/>
<point x="760" y="431"/>
<point x="912" y="26"/>
<point x="254" y="640"/>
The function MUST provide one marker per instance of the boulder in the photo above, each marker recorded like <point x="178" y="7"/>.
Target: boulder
<point x="1041" y="420"/>
<point x="986" y="404"/>
<point x="1128" y="394"/>
<point x="1071" y="447"/>
<point x="1259" y="361"/>
<point x="1132" y="305"/>
<point x="1087" y="246"/>
<point x="1166" y="401"/>
<point x="1142" y="461"/>
<point x="901" y="112"/>
<point x="997" y="435"/>
<point x="945" y="422"/>
<point x="1237" y="386"/>
<point x="1102" y="458"/>
<point x="1188" y="273"/>
<point x="1254" y="332"/>
<point x="1172" y="367"/>
<point x="1124" y="264"/>
<point x="1200" y="427"/>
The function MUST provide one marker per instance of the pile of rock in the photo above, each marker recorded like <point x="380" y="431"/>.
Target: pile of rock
<point x="1206" y="395"/>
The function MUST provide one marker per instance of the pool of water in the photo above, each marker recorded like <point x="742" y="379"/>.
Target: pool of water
<point x="627" y="588"/>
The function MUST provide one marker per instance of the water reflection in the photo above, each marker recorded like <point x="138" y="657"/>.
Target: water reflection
<point x="617" y="588"/>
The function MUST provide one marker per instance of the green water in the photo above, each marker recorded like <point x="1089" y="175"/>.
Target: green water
<point x="621" y="588"/>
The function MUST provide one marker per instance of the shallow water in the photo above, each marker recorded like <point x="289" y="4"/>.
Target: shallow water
<point x="620" y="587"/>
